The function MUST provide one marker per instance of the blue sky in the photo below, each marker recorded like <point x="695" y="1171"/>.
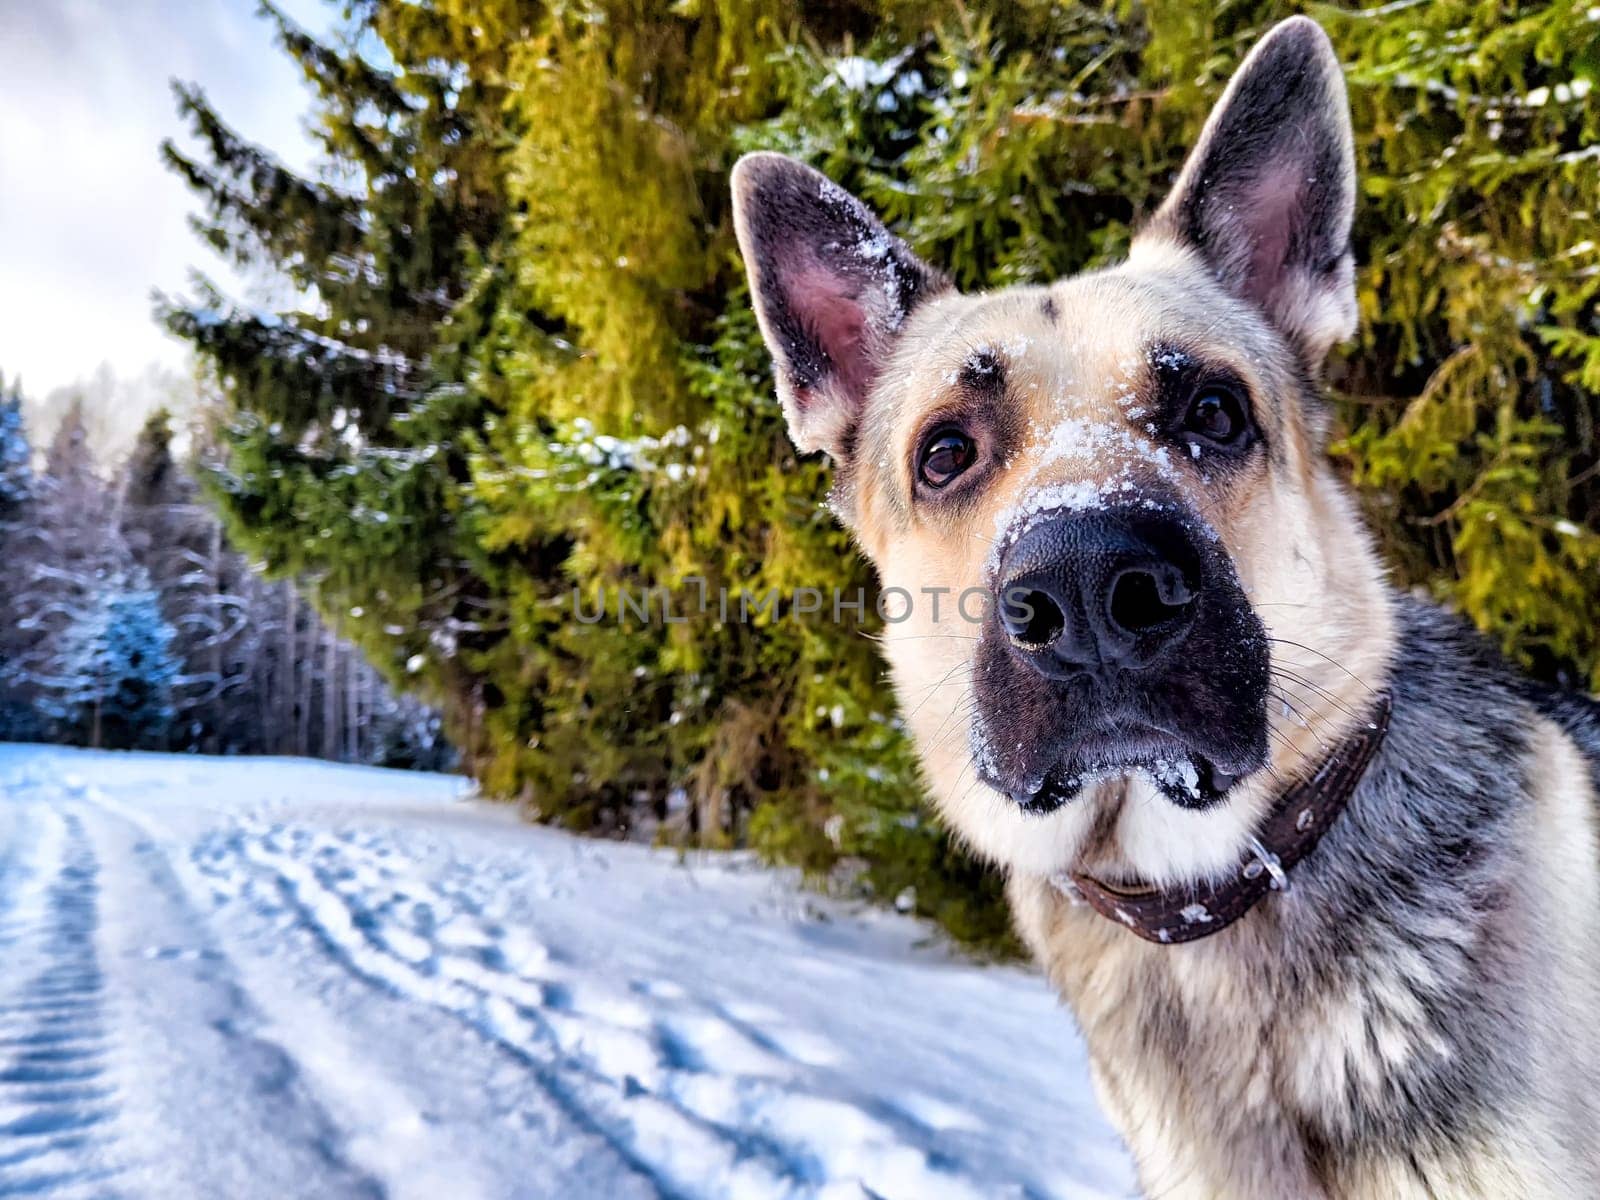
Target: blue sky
<point x="90" y="222"/>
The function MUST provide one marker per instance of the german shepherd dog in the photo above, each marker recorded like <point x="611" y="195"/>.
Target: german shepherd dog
<point x="1315" y="872"/>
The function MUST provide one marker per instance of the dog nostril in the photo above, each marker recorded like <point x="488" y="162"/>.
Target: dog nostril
<point x="1031" y="618"/>
<point x="1143" y="600"/>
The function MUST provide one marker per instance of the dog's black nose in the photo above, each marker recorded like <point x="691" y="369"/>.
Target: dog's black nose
<point x="1090" y="591"/>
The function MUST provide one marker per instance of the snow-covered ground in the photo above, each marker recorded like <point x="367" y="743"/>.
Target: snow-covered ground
<point x="271" y="978"/>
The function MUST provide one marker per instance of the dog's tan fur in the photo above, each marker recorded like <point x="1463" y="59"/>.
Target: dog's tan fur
<point x="1228" y="1074"/>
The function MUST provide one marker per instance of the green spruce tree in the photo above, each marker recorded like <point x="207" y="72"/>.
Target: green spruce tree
<point x="348" y="424"/>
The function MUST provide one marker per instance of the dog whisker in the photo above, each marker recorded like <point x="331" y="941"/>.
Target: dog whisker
<point x="932" y="688"/>
<point x="963" y="708"/>
<point x="1292" y="679"/>
<point x="1331" y="661"/>
<point x="885" y="639"/>
<point x="1317" y="700"/>
<point x="1312" y="723"/>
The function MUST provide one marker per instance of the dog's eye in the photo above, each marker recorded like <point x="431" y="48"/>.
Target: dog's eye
<point x="1217" y="414"/>
<point x="945" y="454"/>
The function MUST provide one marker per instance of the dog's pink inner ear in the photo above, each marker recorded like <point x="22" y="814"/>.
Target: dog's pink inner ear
<point x="1267" y="197"/>
<point x="1273" y="205"/>
<point x="827" y="306"/>
<point x="831" y="288"/>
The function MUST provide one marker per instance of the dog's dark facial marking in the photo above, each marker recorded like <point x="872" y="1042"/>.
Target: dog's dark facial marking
<point x="1122" y="643"/>
<point x="1204" y="406"/>
<point x="832" y="288"/>
<point x="983" y="374"/>
<point x="959" y="445"/>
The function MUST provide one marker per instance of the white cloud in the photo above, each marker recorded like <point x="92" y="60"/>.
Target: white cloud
<point x="90" y="220"/>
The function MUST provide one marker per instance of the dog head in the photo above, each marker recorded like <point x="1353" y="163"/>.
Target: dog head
<point x="1131" y="597"/>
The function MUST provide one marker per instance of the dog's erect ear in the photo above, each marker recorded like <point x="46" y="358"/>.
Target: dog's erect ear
<point x="831" y="288"/>
<point x="1268" y="194"/>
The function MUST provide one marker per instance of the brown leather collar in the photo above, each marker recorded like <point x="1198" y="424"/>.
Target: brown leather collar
<point x="1302" y="816"/>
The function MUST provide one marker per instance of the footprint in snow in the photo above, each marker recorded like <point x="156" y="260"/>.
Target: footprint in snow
<point x="658" y="989"/>
<point x="766" y="1028"/>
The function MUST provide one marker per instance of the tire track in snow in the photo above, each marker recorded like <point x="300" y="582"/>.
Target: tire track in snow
<point x="187" y="971"/>
<point x="56" y="1101"/>
<point x="694" y="1102"/>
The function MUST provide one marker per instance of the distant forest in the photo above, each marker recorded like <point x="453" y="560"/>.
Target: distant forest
<point x="136" y="625"/>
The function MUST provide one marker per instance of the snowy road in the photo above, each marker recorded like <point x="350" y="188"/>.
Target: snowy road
<point x="265" y="978"/>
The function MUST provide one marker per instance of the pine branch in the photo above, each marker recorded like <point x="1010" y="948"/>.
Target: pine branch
<point x="256" y="206"/>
